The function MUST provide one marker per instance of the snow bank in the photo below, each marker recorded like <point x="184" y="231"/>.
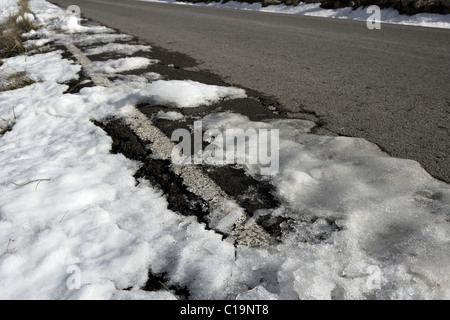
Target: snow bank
<point x="49" y="14"/>
<point x="90" y="216"/>
<point x="81" y="178"/>
<point x="83" y="210"/>
<point x="313" y="9"/>
<point x="388" y="15"/>
<point x="170" y="115"/>
<point x="46" y="13"/>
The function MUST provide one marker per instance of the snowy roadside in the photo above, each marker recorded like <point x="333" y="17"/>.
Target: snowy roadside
<point x="66" y="202"/>
<point x="75" y="224"/>
<point x="392" y="16"/>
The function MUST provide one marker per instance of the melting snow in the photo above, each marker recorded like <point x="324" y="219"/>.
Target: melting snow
<point x="74" y="224"/>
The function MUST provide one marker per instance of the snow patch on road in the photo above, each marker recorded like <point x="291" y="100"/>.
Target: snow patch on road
<point x="135" y="81"/>
<point x="120" y="65"/>
<point x="188" y="93"/>
<point x="118" y="48"/>
<point x="393" y="216"/>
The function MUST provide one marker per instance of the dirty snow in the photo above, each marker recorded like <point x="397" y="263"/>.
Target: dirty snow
<point x="170" y="115"/>
<point x="122" y="64"/>
<point x="117" y="48"/>
<point x="188" y="93"/>
<point x="74" y="224"/>
<point x="394" y="216"/>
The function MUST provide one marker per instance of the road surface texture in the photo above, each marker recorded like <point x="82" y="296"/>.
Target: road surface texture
<point x="390" y="86"/>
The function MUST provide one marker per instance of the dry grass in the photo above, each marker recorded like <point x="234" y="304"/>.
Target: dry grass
<point x="7" y="124"/>
<point x="5" y="128"/>
<point x="14" y="81"/>
<point x="11" y="43"/>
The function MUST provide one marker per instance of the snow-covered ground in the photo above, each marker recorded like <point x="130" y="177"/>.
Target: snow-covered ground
<point x="8" y="8"/>
<point x="75" y="225"/>
<point x="313" y="9"/>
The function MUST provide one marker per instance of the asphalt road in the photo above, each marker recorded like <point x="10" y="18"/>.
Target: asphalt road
<point x="389" y="86"/>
